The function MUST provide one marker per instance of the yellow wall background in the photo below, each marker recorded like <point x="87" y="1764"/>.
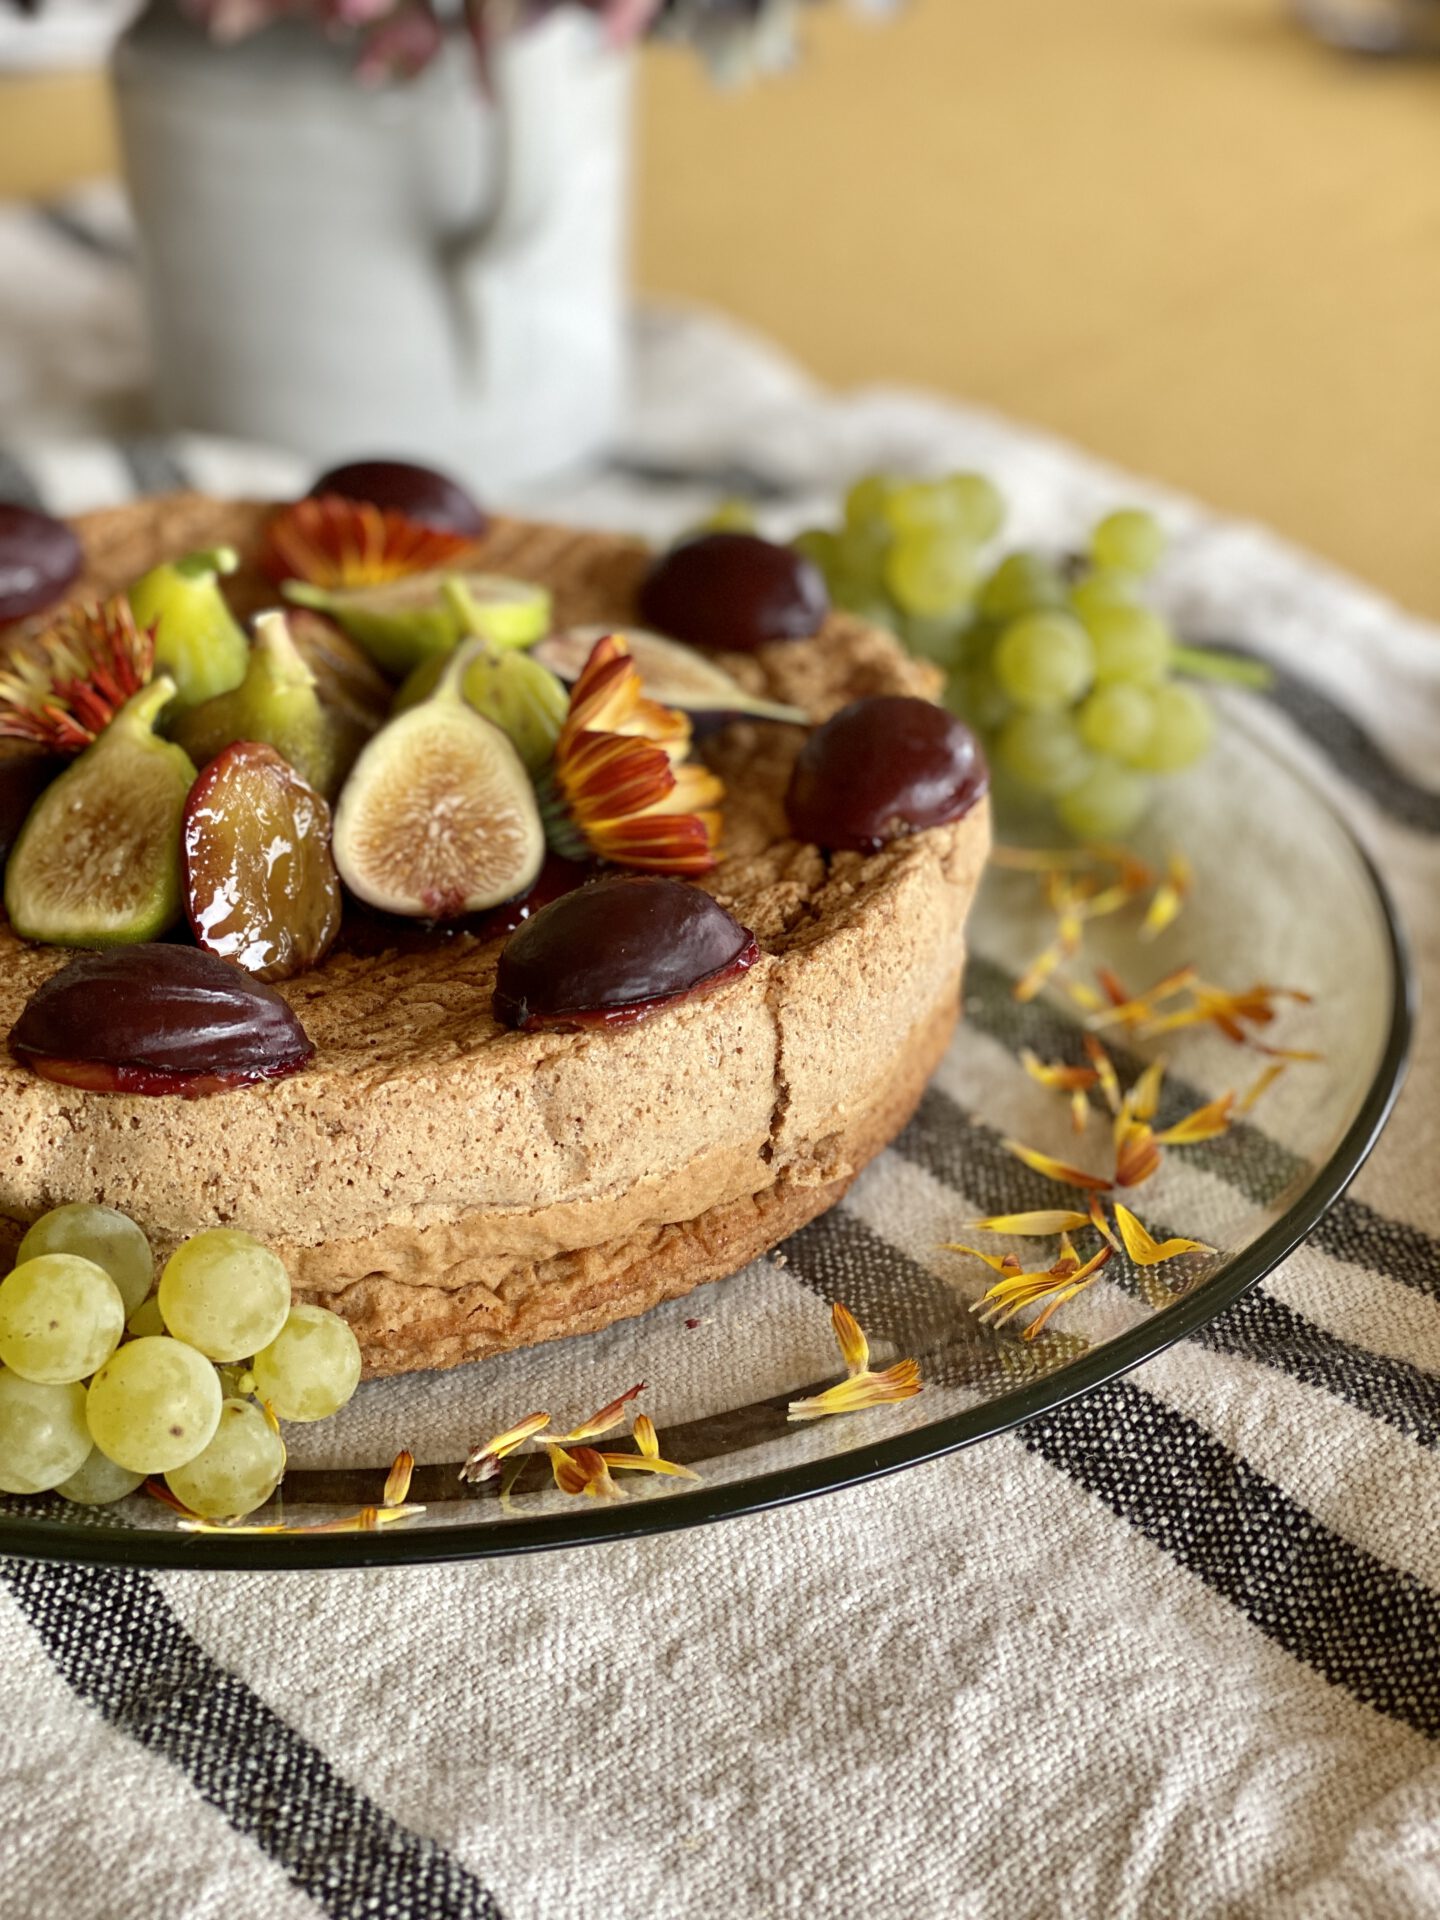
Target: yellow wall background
<point x="1175" y="230"/>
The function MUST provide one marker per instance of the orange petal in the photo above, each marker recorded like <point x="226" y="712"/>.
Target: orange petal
<point x="1142" y="1246"/>
<point x="1037" y="973"/>
<point x="1001" y="1262"/>
<point x="1261" y="1085"/>
<point x="1056" y="1169"/>
<point x="1079" y="1112"/>
<point x="1137" y="1156"/>
<point x="333" y="542"/>
<point x="1169" y="897"/>
<point x="1101" y="1223"/>
<point x="1144" y="1096"/>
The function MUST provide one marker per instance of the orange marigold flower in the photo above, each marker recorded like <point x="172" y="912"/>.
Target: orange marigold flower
<point x="617" y="788"/>
<point x="333" y="542"/>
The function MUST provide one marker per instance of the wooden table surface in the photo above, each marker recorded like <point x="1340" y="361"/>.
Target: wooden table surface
<point x="1177" y="231"/>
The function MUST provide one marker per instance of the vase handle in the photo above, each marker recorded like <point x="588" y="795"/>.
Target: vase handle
<point x="533" y="148"/>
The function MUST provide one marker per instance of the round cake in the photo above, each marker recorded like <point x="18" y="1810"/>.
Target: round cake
<point x="455" y="1188"/>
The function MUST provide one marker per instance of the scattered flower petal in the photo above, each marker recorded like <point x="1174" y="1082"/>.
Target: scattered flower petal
<point x="1104" y="1072"/>
<point x="1056" y="1074"/>
<point x="861" y="1390"/>
<point x="1137" y="1156"/>
<point x="1142" y="1246"/>
<point x="397" y="1481"/>
<point x="1261" y="1085"/>
<point x="1206" y="1123"/>
<point x="854" y="1347"/>
<point x="1030" y="1225"/>
<point x="605" y="1421"/>
<point x="1144" y="1096"/>
<point x="484" y="1461"/>
<point x="1054" y="1169"/>
<point x="1169" y="897"/>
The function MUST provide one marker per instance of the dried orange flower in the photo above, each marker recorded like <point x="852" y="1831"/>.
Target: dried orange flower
<point x="861" y="1388"/>
<point x="617" y="789"/>
<point x="334" y="543"/>
<point x="65" y="687"/>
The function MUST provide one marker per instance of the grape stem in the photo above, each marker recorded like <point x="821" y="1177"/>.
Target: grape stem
<point x="1211" y="663"/>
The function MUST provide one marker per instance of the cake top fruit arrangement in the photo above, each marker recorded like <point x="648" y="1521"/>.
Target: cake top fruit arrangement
<point x="202" y="806"/>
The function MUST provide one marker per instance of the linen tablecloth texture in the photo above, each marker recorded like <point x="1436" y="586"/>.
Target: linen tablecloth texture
<point x="1170" y="1651"/>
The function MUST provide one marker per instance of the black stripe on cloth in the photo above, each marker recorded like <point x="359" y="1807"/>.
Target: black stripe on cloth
<point x="153" y="466"/>
<point x="17" y="486"/>
<point x="1338" y="735"/>
<point x="118" y="1644"/>
<point x="1246" y="1158"/>
<point x="1363" y="1625"/>
<point x="964" y="1154"/>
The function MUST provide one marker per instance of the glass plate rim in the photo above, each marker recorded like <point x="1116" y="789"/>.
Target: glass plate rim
<point x="70" y="1541"/>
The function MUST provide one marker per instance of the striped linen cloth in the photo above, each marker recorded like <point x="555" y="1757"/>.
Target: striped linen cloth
<point x="1172" y="1650"/>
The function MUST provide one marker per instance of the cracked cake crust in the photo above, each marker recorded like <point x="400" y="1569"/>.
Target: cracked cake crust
<point x="456" y="1189"/>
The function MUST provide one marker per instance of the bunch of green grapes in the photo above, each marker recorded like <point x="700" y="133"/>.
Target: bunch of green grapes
<point x="1065" y="671"/>
<point x="908" y="556"/>
<point x="105" y="1379"/>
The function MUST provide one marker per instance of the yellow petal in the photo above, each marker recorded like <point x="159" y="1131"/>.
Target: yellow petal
<point x="1055" y="1074"/>
<point x="1001" y="1262"/>
<point x="484" y="1461"/>
<point x="397" y="1481"/>
<point x="1206" y="1123"/>
<point x="1145" y="1094"/>
<point x="646" y="1437"/>
<point x="1142" y="1246"/>
<point x="1104" y="1072"/>
<point x="1054" y="1169"/>
<point x="854" y="1347"/>
<point x="1137" y="1156"/>
<point x="1079" y="1111"/>
<point x="1038" y="1226"/>
<point x="1169" y="897"/>
<point x="1261" y="1085"/>
<point x="861" y="1390"/>
<point x="643" y="1463"/>
<point x="606" y="1420"/>
<point x="1037" y="973"/>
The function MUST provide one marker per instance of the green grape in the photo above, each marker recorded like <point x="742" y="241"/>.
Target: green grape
<point x="1131" y="643"/>
<point x="97" y="1481"/>
<point x="1131" y="539"/>
<point x="146" y="1319"/>
<point x="1117" y="719"/>
<point x="977" y="697"/>
<point x="930" y="573"/>
<point x="1103" y="587"/>
<point x="977" y="504"/>
<point x="1024" y="582"/>
<point x="1044" y="660"/>
<point x="867" y="499"/>
<point x="238" y="1471"/>
<point x="941" y="640"/>
<point x="311" y="1369"/>
<point x="1106" y="804"/>
<point x="1181" y="732"/>
<point x="60" y="1318"/>
<point x="860" y="565"/>
<point x="43" y="1436"/>
<point x="101" y="1234"/>
<point x="153" y="1405"/>
<point x="820" y="545"/>
<point x="729" y="516"/>
<point x="225" y="1294"/>
<point x="921" y="506"/>
<point x="1044" y="751"/>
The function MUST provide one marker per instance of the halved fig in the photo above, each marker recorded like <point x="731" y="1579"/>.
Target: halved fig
<point x="157" y="1020"/>
<point x="260" y="885"/>
<point x="524" y="699"/>
<point x="438" y="817"/>
<point x="616" y="950"/>
<point x="97" y="863"/>
<point x="420" y="493"/>
<point x="277" y="702"/>
<point x="672" y="673"/>
<point x="26" y="769"/>
<point x="402" y="622"/>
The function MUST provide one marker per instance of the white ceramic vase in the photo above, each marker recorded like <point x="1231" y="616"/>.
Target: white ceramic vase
<point x="413" y="270"/>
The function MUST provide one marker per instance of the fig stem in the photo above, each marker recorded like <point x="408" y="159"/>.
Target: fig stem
<point x="451" y="684"/>
<point x="208" y="563"/>
<point x="274" y="641"/>
<point x="462" y="603"/>
<point x="141" y="711"/>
